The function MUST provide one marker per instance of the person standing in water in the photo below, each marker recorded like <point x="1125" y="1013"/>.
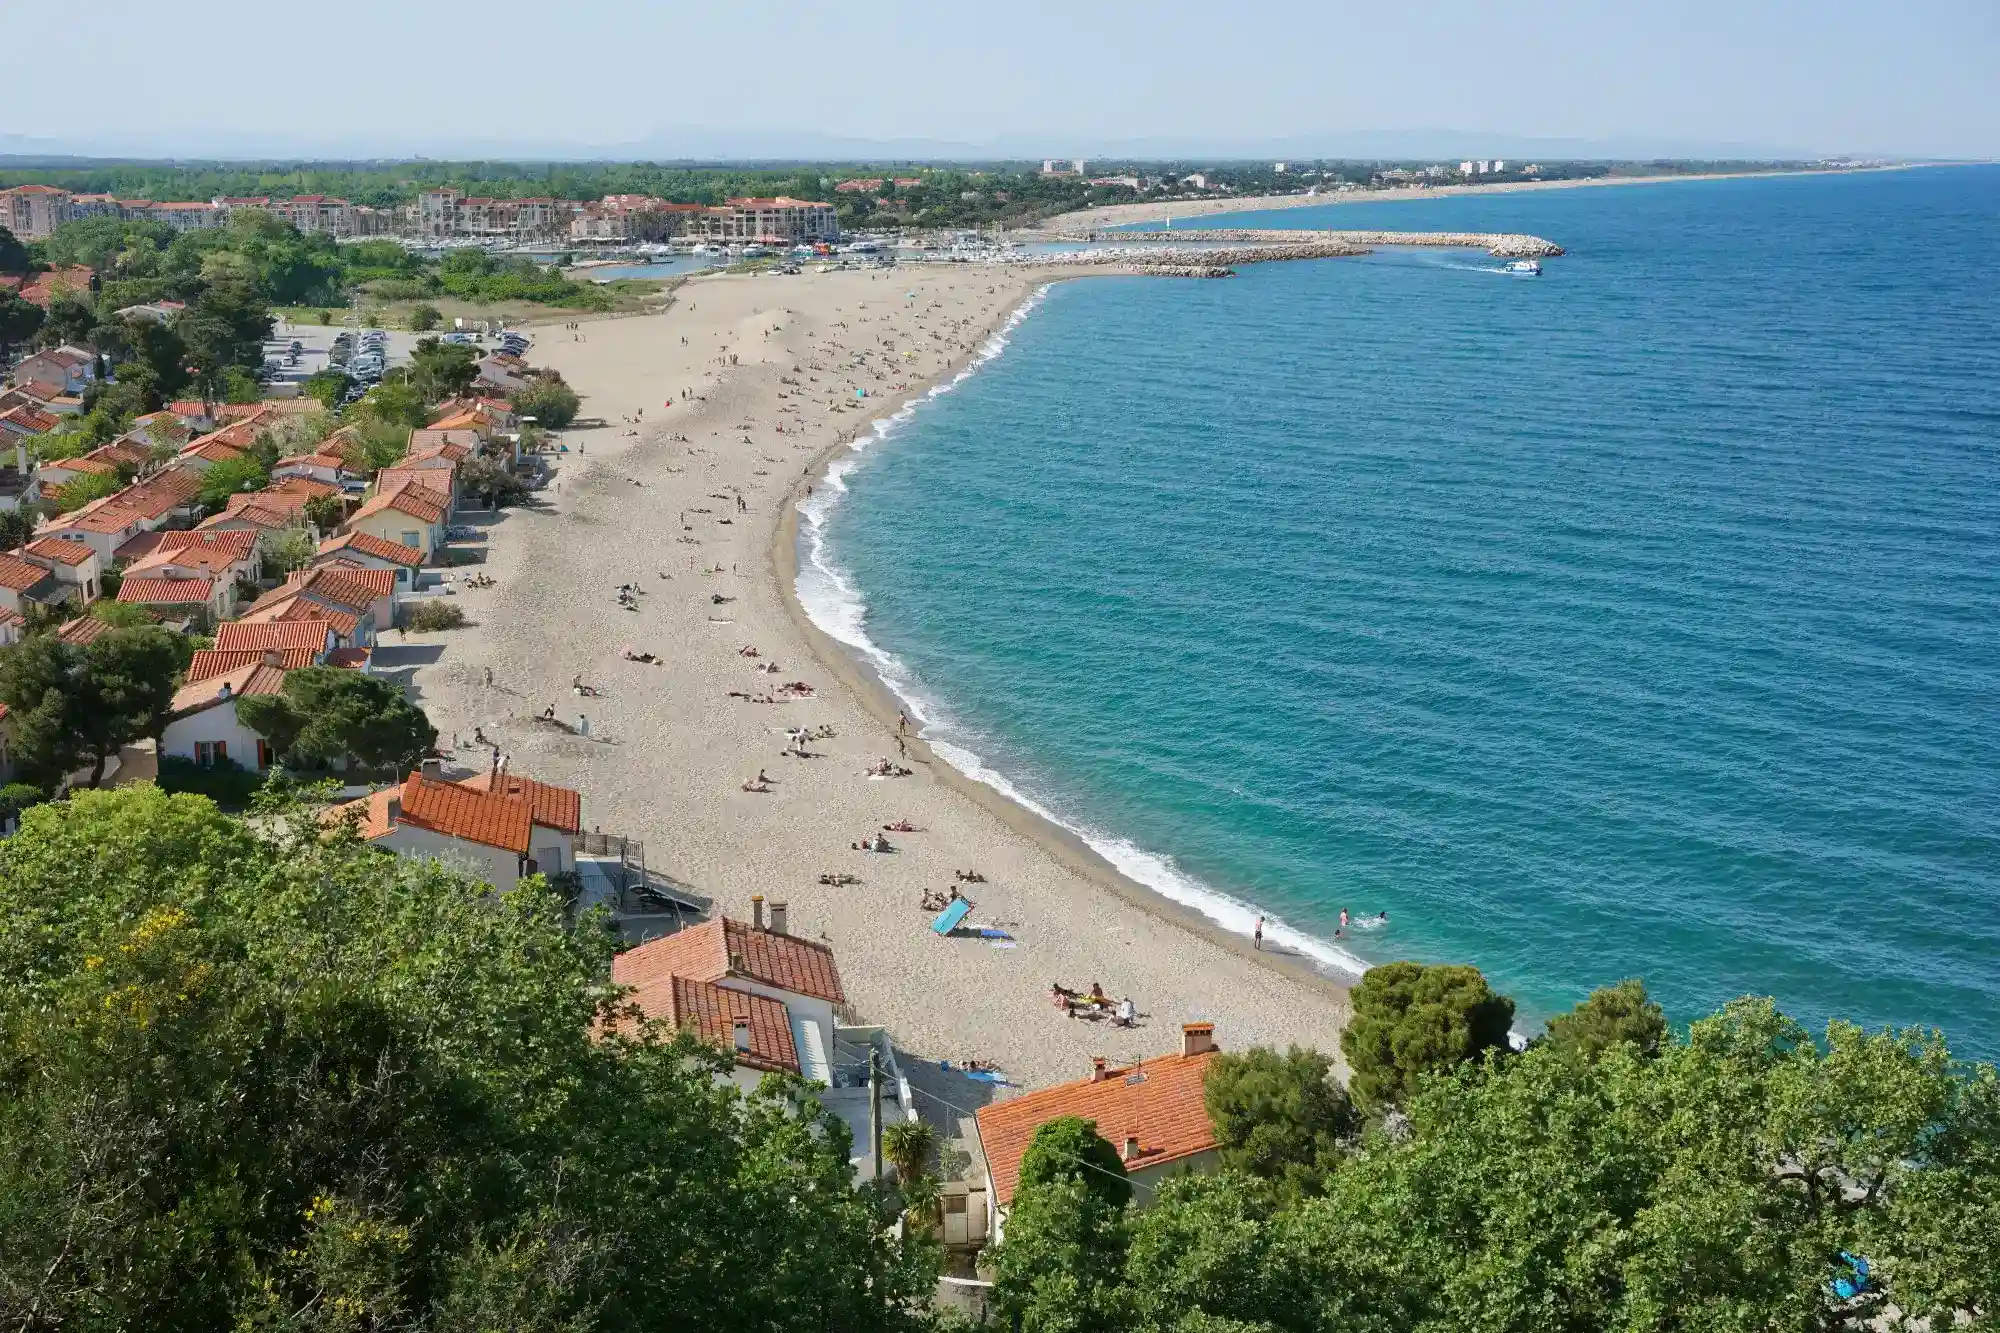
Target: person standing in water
<point x="1257" y="935"/>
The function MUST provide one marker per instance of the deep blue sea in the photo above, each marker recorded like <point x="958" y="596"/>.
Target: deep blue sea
<point x="1642" y="619"/>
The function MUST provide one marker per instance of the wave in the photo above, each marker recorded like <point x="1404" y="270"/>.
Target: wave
<point x="830" y="599"/>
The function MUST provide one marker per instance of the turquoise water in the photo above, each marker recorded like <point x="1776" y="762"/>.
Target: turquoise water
<point x="1640" y="619"/>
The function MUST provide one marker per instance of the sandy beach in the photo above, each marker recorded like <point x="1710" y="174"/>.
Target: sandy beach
<point x="1124" y="215"/>
<point x="698" y="506"/>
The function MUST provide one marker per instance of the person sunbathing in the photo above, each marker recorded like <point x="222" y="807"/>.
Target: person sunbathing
<point x="900" y="826"/>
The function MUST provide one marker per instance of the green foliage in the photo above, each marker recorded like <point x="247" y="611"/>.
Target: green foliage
<point x="16" y="797"/>
<point x="158" y="364"/>
<point x="1211" y="1253"/>
<point x="493" y="482"/>
<point x="20" y="320"/>
<point x="551" y="402"/>
<point x="291" y="549"/>
<point x="70" y="318"/>
<point x="1060" y="1267"/>
<point x="324" y="512"/>
<point x="240" y="386"/>
<point x="325" y="716"/>
<point x="439" y="370"/>
<point x="224" y="327"/>
<point x="431" y="615"/>
<point x="474" y="275"/>
<point x="1280" y="1118"/>
<point x="1070" y="1148"/>
<point x="272" y="1080"/>
<point x="396" y="403"/>
<point x="74" y="706"/>
<point x="77" y="493"/>
<point x="424" y="318"/>
<point x="1411" y="1020"/>
<point x="1610" y="1015"/>
<point x="17" y="528"/>
<point x="121" y="615"/>
<point x="226" y="782"/>
<point x="328" y="386"/>
<point x="230" y="477"/>
<point x="13" y="254"/>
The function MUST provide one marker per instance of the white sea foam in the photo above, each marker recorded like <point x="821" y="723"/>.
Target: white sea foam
<point x="830" y="599"/>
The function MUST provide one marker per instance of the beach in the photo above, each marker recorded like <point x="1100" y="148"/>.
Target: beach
<point x="1125" y="215"/>
<point x="698" y="506"/>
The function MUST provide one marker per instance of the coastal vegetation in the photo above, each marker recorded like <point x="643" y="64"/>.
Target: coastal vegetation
<point x="270" y="1078"/>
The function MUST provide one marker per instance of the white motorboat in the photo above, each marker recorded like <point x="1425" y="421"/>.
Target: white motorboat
<point x="1525" y="268"/>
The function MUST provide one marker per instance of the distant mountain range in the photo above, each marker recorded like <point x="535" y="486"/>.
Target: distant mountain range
<point x="707" y="145"/>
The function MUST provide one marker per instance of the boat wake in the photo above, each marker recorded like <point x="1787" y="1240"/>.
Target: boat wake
<point x="830" y="599"/>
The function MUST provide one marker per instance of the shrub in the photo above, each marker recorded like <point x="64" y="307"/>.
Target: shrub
<point x="424" y="318"/>
<point x="426" y="617"/>
<point x="552" y="403"/>
<point x="225" y="782"/>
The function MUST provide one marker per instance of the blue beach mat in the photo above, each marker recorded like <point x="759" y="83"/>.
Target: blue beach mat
<point x="947" y="920"/>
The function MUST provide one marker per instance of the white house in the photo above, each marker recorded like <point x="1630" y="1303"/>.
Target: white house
<point x="497" y="836"/>
<point x="71" y="368"/>
<point x="202" y="725"/>
<point x="367" y="551"/>
<point x="74" y="563"/>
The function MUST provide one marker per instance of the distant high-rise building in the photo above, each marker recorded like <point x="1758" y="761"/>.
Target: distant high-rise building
<point x="1499" y="164"/>
<point x="1280" y="168"/>
<point x="1480" y="166"/>
<point x="1465" y="168"/>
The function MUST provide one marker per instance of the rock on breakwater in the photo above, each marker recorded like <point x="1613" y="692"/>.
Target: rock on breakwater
<point x="1501" y="245"/>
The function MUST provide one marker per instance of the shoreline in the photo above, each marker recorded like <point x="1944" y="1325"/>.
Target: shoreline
<point x="760" y="378"/>
<point x="880" y="699"/>
<point x="1121" y="215"/>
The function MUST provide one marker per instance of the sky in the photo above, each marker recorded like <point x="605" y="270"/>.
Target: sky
<point x="1031" y="77"/>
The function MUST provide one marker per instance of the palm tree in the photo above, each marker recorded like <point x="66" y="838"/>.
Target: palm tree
<point x="908" y="1146"/>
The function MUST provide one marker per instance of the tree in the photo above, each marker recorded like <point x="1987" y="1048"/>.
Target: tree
<point x="13" y="254"/>
<point x="242" y="1093"/>
<point x="17" y="528"/>
<point x="1280" y="1118"/>
<point x="909" y="1145"/>
<point x="159" y="362"/>
<point x="493" y="482"/>
<point x="396" y="404"/>
<point x="291" y="549"/>
<point x="225" y="326"/>
<point x="124" y="686"/>
<point x="229" y="477"/>
<point x="1070" y="1148"/>
<point x="1610" y="1015"/>
<point x="324" y="512"/>
<point x="240" y="386"/>
<point x="424" y="318"/>
<point x="19" y="320"/>
<point x="70" y="318"/>
<point x="1411" y="1020"/>
<point x="1059" y="1268"/>
<point x="327" y="715"/>
<point x="551" y="402"/>
<point x="76" y="494"/>
<point x="73" y="706"/>
<point x="439" y="370"/>
<point x="329" y="386"/>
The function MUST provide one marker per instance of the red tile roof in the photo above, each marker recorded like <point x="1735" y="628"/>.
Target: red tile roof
<point x="32" y="421"/>
<point x="59" y="549"/>
<point x="208" y="663"/>
<point x="251" y="678"/>
<point x="367" y="543"/>
<point x="212" y="450"/>
<point x="554" y="807"/>
<point x="340" y="580"/>
<point x="725" y="948"/>
<point x="460" y="812"/>
<point x="305" y="609"/>
<point x="166" y="591"/>
<point x="82" y="630"/>
<point x="288" y="635"/>
<point x="1157" y="1101"/>
<point x="210" y="550"/>
<point x="712" y="1011"/>
<point x="18" y="575"/>
<point x="415" y="501"/>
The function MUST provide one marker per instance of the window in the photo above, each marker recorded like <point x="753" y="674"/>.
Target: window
<point x="207" y="754"/>
<point x="263" y="753"/>
<point x="415" y="539"/>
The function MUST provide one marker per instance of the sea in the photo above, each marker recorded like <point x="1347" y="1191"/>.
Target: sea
<point x="1637" y="620"/>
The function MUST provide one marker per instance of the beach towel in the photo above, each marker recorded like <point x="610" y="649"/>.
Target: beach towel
<point x="988" y="1076"/>
<point x="947" y="920"/>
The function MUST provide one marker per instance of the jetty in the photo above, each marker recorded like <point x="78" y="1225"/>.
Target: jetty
<point x="1501" y="245"/>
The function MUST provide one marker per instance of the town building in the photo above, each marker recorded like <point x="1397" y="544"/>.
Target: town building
<point x="499" y="835"/>
<point x="445" y="214"/>
<point x="31" y="212"/>
<point x="1152" y="1112"/>
<point x="777" y="220"/>
<point x="202" y="726"/>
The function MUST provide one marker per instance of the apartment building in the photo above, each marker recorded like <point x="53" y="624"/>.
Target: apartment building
<point x="630" y="217"/>
<point x="444" y="214"/>
<point x="779" y="219"/>
<point x="31" y="212"/>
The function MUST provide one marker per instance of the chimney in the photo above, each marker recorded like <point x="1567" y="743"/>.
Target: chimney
<point x="742" y="1034"/>
<point x="433" y="770"/>
<point x="273" y="658"/>
<point x="757" y="910"/>
<point x="777" y="918"/>
<point x="225" y="691"/>
<point x="1131" y="1147"/>
<point x="1097" y="1072"/>
<point x="1197" y="1038"/>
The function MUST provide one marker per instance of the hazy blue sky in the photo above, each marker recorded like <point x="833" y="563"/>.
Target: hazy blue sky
<point x="1915" y="76"/>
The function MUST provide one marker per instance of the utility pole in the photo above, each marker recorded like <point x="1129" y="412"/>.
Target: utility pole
<point x="875" y="1108"/>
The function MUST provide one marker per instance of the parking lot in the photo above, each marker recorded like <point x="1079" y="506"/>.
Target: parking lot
<point x="296" y="352"/>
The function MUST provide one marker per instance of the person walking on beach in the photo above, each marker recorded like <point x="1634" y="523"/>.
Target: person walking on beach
<point x="1257" y="936"/>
